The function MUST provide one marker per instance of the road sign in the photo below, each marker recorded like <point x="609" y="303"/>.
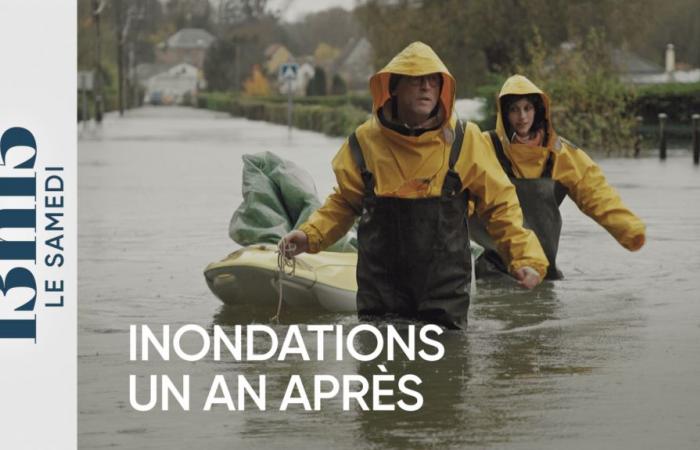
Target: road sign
<point x="289" y="71"/>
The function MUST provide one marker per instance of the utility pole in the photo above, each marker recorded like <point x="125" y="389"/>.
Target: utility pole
<point x="123" y="25"/>
<point x="120" y="55"/>
<point x="131" y="78"/>
<point x="97" y="7"/>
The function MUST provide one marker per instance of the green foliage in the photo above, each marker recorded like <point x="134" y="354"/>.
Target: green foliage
<point x="480" y="37"/>
<point x="678" y="100"/>
<point x="489" y="92"/>
<point x="363" y="102"/>
<point x="317" y="84"/>
<point x="217" y="101"/>
<point x="336" y="27"/>
<point x="590" y="106"/>
<point x="338" y="85"/>
<point x="331" y="120"/>
<point x="222" y="68"/>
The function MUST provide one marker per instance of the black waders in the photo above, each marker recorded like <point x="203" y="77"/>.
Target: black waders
<point x="414" y="260"/>
<point x="539" y="200"/>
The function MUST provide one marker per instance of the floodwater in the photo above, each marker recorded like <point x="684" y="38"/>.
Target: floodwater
<point x="608" y="358"/>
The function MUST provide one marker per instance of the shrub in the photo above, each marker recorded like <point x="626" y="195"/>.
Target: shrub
<point x="679" y="101"/>
<point x="590" y="105"/>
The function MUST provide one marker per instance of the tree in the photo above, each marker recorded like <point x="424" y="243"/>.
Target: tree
<point x="338" y="85"/>
<point x="232" y="12"/>
<point x="257" y="84"/>
<point x="483" y="37"/>
<point x="592" y="107"/>
<point x="222" y="66"/>
<point x="189" y="13"/>
<point x="335" y="27"/>
<point x="317" y="84"/>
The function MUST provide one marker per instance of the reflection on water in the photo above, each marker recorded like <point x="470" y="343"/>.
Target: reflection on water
<point x="607" y="358"/>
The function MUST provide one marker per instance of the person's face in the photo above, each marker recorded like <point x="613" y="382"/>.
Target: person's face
<point x="521" y="115"/>
<point x="417" y="96"/>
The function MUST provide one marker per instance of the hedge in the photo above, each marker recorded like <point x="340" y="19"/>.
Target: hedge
<point x="339" y="120"/>
<point x="363" y="102"/>
<point x="678" y="100"/>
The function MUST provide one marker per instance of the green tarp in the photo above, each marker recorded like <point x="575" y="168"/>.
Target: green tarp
<point x="278" y="196"/>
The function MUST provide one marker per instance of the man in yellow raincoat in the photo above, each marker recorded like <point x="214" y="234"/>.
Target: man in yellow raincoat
<point x="544" y="169"/>
<point x="408" y="172"/>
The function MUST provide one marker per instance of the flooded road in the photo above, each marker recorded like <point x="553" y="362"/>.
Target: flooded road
<point x="607" y="358"/>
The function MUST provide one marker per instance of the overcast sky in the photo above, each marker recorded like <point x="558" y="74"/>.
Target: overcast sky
<point x="297" y="9"/>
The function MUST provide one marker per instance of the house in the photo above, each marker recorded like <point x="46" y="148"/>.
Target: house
<point x="188" y="45"/>
<point x="167" y="85"/>
<point x="275" y="56"/>
<point x="355" y="64"/>
<point x="636" y="70"/>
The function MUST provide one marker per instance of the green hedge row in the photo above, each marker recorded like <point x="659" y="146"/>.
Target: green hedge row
<point x="678" y="100"/>
<point x="332" y="120"/>
<point x="363" y="102"/>
<point x="216" y="101"/>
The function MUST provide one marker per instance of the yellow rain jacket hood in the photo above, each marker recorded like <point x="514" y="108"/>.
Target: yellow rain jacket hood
<point x="415" y="60"/>
<point x="573" y="168"/>
<point x="409" y="166"/>
<point x="528" y="158"/>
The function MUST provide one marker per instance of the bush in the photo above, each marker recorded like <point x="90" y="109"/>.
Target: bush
<point x="338" y="85"/>
<point x="363" y="102"/>
<point x="590" y="106"/>
<point x="679" y="101"/>
<point x="317" y="84"/>
<point x="217" y="101"/>
<point x="332" y="120"/>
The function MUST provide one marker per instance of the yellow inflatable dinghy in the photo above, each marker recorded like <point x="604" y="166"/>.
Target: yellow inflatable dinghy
<point x="324" y="281"/>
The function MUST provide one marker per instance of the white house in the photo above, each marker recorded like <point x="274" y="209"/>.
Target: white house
<point x="173" y="85"/>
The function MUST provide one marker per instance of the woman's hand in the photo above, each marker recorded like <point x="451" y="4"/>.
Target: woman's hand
<point x="527" y="277"/>
<point x="294" y="243"/>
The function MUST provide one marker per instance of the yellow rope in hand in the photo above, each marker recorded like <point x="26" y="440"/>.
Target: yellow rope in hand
<point x="286" y="266"/>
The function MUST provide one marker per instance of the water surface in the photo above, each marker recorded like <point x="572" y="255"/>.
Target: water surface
<point x="607" y="358"/>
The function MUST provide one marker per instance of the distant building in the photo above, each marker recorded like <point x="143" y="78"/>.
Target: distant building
<point x="169" y="85"/>
<point x="188" y="45"/>
<point x="355" y="64"/>
<point x="275" y="56"/>
<point x="637" y="70"/>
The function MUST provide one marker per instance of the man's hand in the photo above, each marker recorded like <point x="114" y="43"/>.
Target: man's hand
<point x="527" y="277"/>
<point x="294" y="243"/>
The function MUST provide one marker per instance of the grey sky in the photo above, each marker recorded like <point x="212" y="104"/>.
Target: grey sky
<point x="297" y="9"/>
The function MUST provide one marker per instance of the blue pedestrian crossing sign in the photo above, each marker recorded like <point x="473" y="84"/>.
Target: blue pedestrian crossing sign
<point x="288" y="71"/>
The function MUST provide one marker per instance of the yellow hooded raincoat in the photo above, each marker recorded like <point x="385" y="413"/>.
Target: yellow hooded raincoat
<point x="573" y="168"/>
<point x="415" y="167"/>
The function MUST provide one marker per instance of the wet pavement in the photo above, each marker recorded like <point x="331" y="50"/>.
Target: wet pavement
<point x="607" y="358"/>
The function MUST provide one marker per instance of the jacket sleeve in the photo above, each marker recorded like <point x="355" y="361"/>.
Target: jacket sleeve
<point x="497" y="204"/>
<point x="593" y="195"/>
<point x="335" y="218"/>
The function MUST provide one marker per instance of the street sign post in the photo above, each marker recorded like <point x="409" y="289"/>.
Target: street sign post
<point x="288" y="74"/>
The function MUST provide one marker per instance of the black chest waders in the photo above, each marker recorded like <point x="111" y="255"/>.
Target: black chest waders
<point x="413" y="258"/>
<point x="539" y="200"/>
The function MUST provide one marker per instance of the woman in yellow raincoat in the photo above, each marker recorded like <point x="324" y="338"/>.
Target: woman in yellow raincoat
<point x="408" y="172"/>
<point x="544" y="169"/>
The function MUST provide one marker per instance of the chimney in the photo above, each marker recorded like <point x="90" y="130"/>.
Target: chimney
<point x="670" y="59"/>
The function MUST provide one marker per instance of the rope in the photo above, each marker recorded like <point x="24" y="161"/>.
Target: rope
<point x="285" y="269"/>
